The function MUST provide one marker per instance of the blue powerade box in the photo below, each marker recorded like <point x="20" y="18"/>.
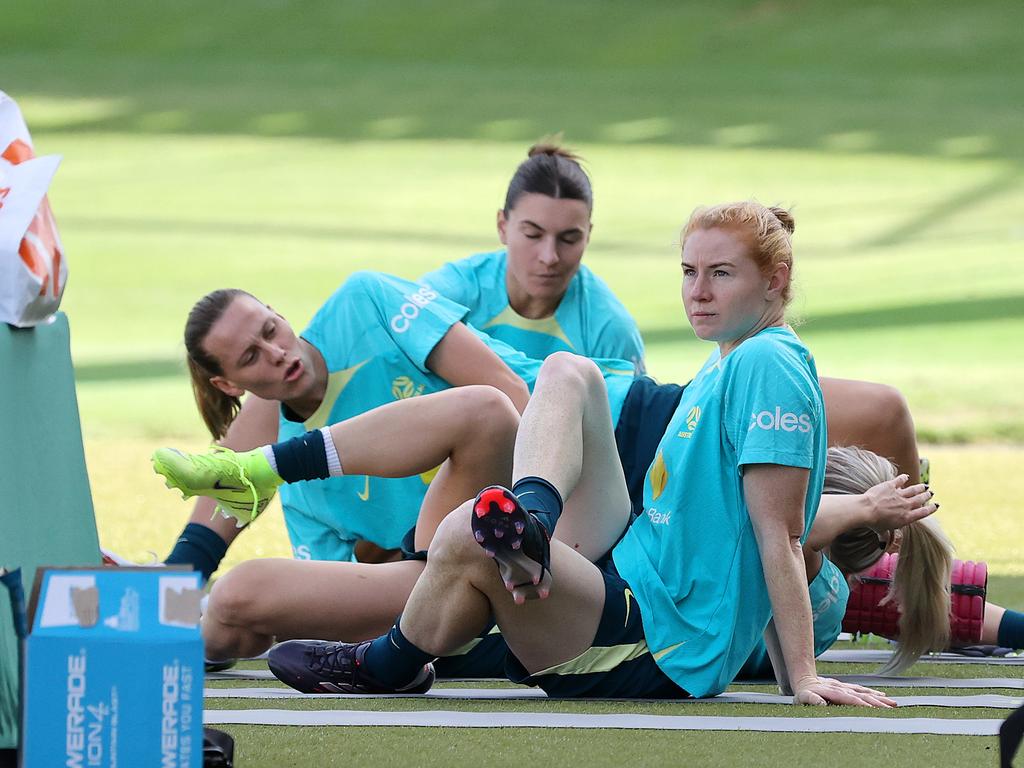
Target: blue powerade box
<point x="114" y="670"/>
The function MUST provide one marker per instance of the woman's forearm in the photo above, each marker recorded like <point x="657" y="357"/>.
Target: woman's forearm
<point x="775" y="501"/>
<point x="786" y="580"/>
<point x="838" y="513"/>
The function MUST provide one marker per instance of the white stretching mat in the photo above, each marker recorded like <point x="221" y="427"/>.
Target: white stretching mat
<point x="883" y="682"/>
<point x="875" y="681"/>
<point x="880" y="724"/>
<point x="738" y="697"/>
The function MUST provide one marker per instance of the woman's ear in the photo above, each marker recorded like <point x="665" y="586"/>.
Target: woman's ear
<point x="226" y="386"/>
<point x="502" y="227"/>
<point x="777" y="282"/>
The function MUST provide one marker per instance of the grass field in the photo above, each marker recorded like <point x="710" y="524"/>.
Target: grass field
<point x="279" y="146"/>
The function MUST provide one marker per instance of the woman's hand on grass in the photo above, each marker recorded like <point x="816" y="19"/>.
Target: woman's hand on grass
<point x="824" y="690"/>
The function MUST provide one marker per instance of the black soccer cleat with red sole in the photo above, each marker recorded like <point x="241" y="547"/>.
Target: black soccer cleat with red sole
<point x="512" y="535"/>
<point x="319" y="666"/>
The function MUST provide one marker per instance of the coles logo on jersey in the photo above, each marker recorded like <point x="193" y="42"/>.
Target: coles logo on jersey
<point x="403" y="387"/>
<point x="776" y="420"/>
<point x="410" y="310"/>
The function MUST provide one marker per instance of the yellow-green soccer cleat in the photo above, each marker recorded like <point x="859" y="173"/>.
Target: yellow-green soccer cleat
<point x="926" y="470"/>
<point x="242" y="483"/>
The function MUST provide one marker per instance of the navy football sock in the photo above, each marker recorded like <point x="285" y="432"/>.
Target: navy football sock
<point x="394" y="661"/>
<point x="302" y="458"/>
<point x="1011" y="630"/>
<point x="539" y="496"/>
<point x="199" y="546"/>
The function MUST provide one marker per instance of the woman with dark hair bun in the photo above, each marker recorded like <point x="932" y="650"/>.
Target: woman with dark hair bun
<point x="534" y="294"/>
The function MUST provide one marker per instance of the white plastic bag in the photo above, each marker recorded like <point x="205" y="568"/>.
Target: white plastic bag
<point x="33" y="270"/>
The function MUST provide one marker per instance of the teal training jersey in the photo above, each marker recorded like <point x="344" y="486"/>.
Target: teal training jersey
<point x="375" y="334"/>
<point x="829" y="593"/>
<point x="691" y="558"/>
<point x="589" y="321"/>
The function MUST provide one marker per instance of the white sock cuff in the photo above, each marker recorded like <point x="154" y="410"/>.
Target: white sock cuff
<point x="333" y="462"/>
<point x="268" y="451"/>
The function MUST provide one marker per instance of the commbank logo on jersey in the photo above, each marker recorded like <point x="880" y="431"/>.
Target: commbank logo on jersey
<point x="410" y="310"/>
<point x="404" y="387"/>
<point x="692" y="417"/>
<point x="777" y="420"/>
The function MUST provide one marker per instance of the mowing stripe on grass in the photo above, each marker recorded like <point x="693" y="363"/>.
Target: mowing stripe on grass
<point x="878" y="657"/>
<point x="882" y="681"/>
<point x="993" y="701"/>
<point x="980" y="727"/>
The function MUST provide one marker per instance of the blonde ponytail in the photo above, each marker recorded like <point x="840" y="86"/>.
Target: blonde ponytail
<point x="921" y="583"/>
<point x="920" y="587"/>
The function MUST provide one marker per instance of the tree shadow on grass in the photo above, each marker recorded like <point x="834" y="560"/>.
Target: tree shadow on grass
<point x="955" y="204"/>
<point x="233" y="228"/>
<point x="151" y="368"/>
<point x="938" y="313"/>
<point x="941" y="313"/>
<point x="892" y="78"/>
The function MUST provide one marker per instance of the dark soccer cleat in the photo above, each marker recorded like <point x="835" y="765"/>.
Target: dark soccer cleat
<point x="219" y="666"/>
<point x="511" y="535"/>
<point x="319" y="666"/>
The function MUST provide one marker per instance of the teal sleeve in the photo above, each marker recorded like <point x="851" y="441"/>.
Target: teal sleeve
<point x="771" y="414"/>
<point x="372" y="310"/>
<point x="617" y="335"/>
<point x="416" y="317"/>
<point x="621" y="340"/>
<point x="454" y="281"/>
<point x="522" y="366"/>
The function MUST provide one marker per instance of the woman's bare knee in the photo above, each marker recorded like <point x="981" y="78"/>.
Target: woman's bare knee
<point x="490" y="411"/>
<point x="235" y="597"/>
<point x="453" y="544"/>
<point x="565" y="366"/>
<point x="895" y="408"/>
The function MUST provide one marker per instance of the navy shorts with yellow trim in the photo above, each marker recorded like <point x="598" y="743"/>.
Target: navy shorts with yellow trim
<point x="646" y="412"/>
<point x="617" y="665"/>
<point x="482" y="657"/>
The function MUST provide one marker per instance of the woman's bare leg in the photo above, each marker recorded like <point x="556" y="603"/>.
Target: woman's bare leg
<point x="872" y="416"/>
<point x="460" y="590"/>
<point x="990" y="625"/>
<point x="469" y="431"/>
<point x="567" y="438"/>
<point x="261" y="601"/>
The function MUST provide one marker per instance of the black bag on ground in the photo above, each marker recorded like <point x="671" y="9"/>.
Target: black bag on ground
<point x="218" y="749"/>
<point x="1011" y="733"/>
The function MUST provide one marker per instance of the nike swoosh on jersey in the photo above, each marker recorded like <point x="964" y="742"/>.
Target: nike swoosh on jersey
<point x="365" y="493"/>
<point x="627" y="593"/>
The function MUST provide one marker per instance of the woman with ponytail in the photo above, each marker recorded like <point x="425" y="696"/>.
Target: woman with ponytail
<point x="866" y="512"/>
<point x="854" y="541"/>
<point x="534" y="293"/>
